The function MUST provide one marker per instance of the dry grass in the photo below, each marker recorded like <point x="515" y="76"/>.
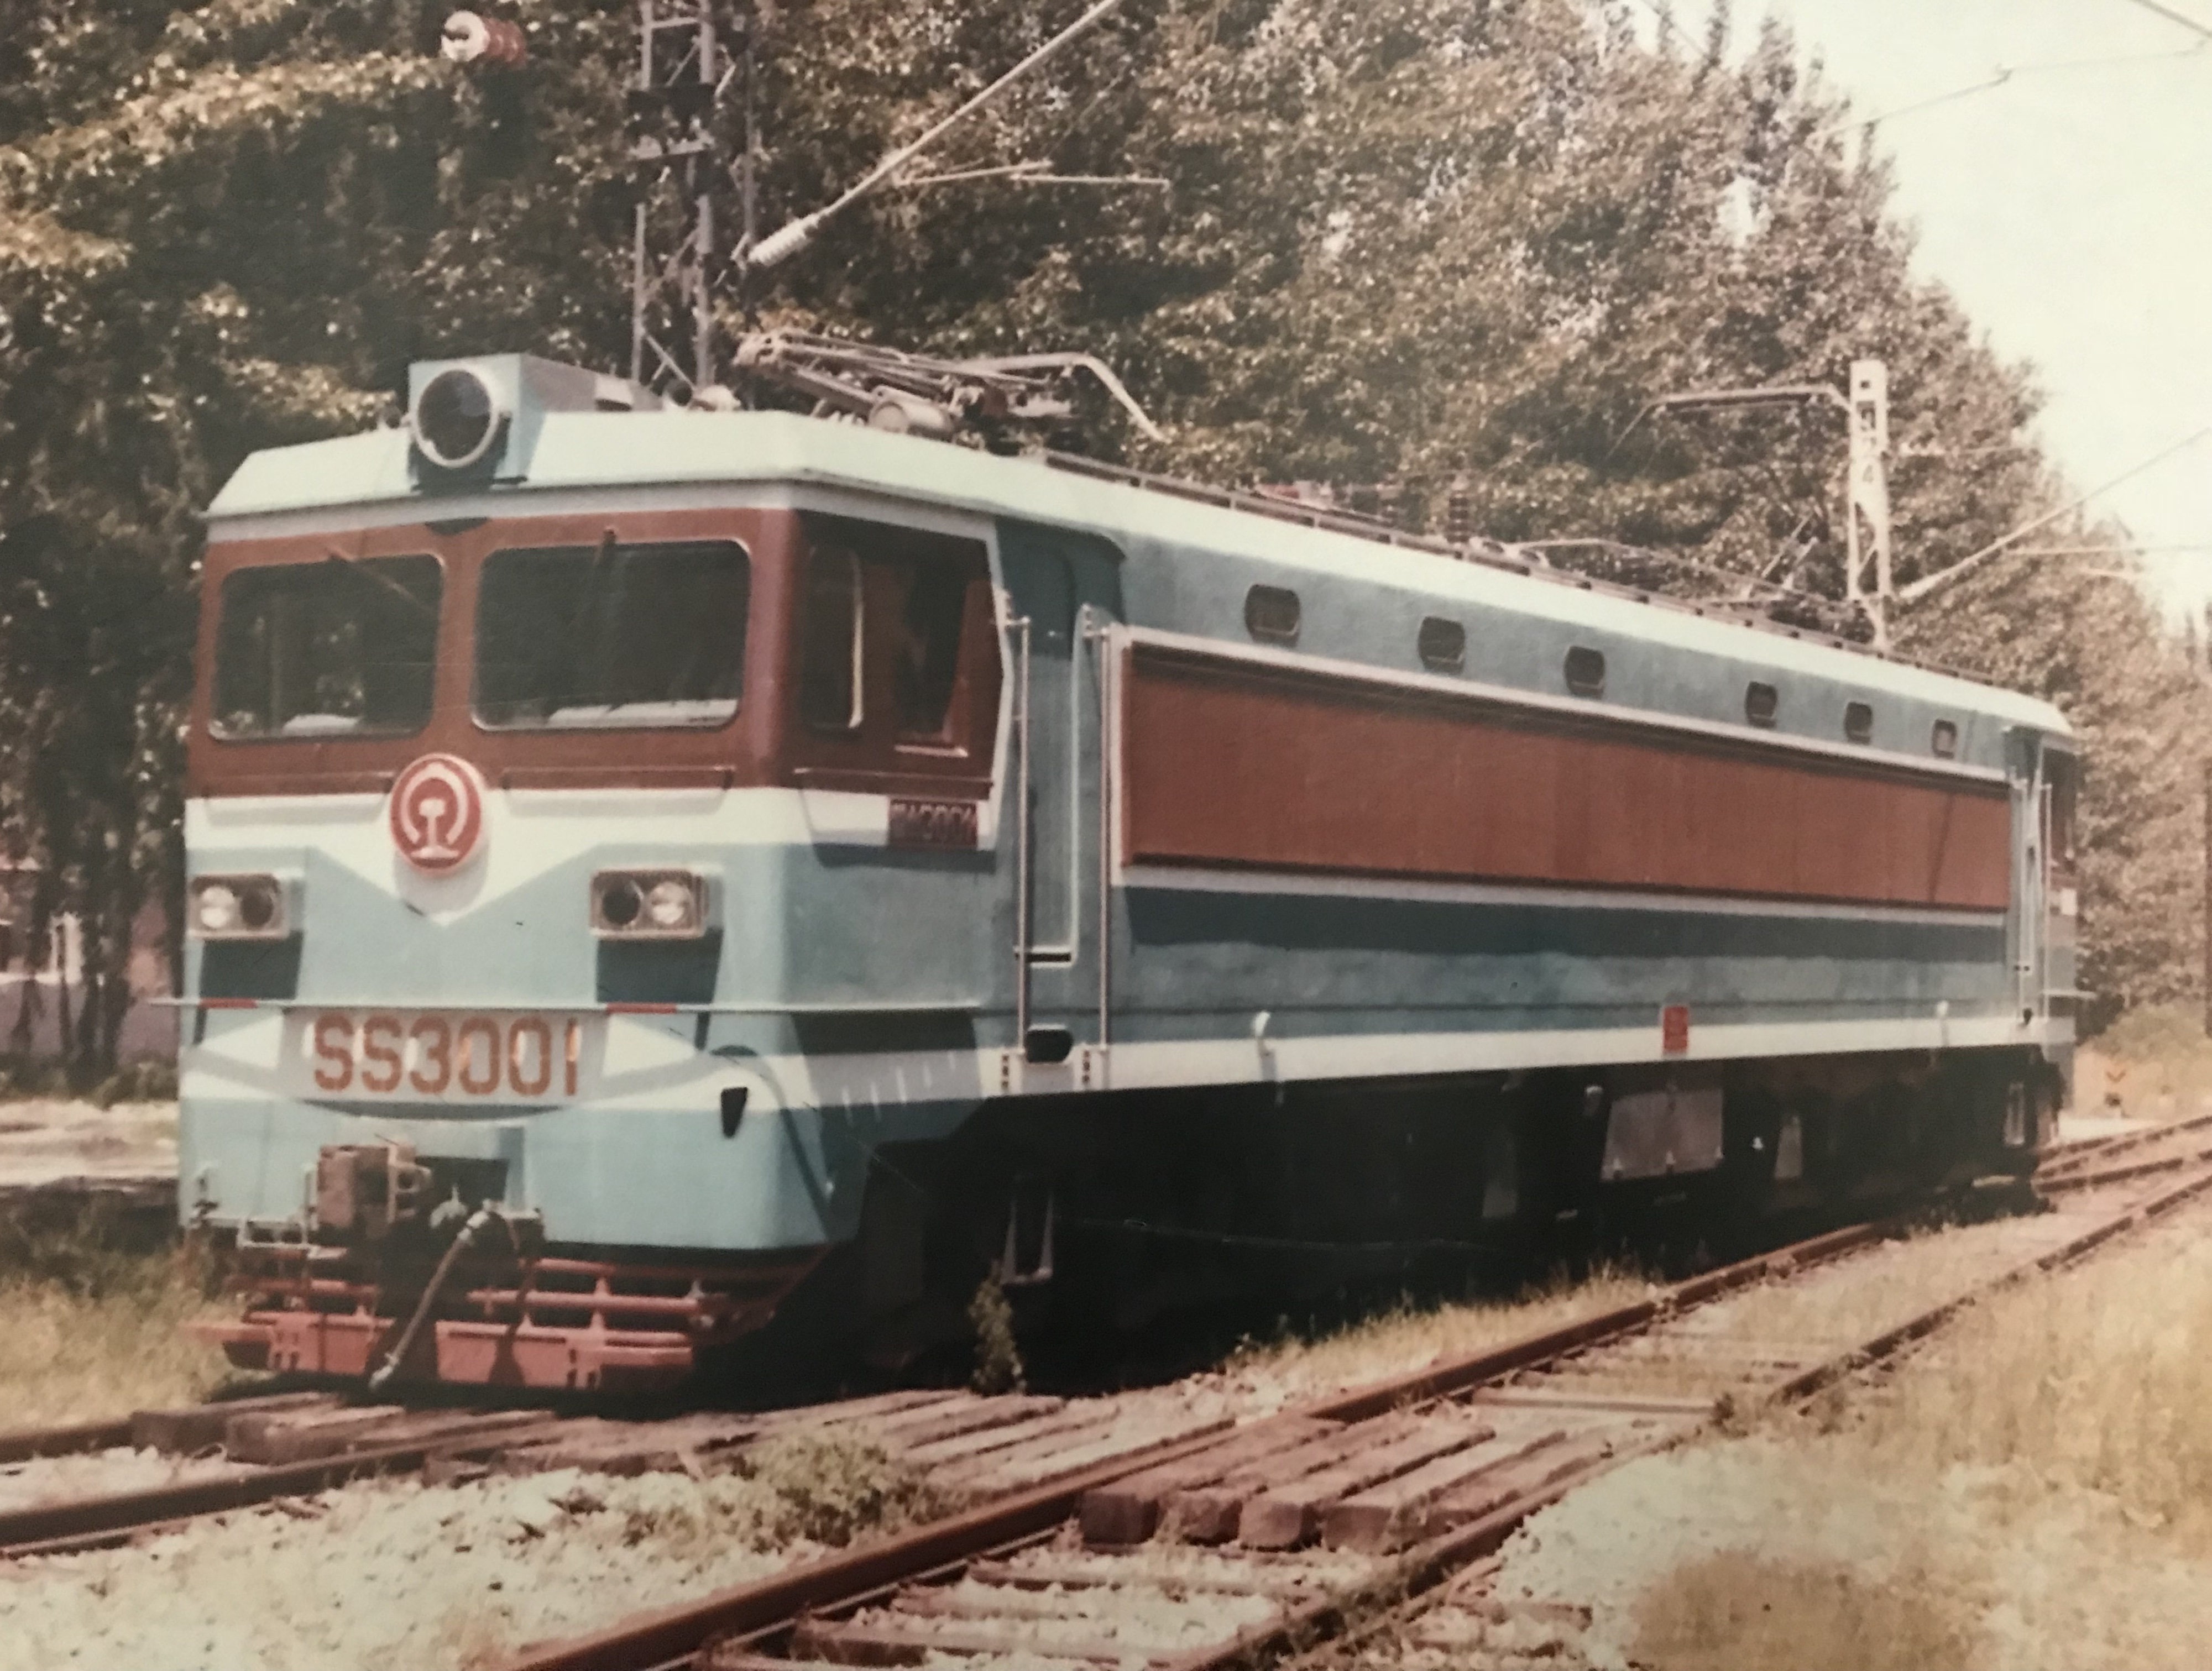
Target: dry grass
<point x="2154" y="1063"/>
<point x="1409" y="1337"/>
<point x="835" y="1487"/>
<point x="1742" y="1612"/>
<point x="2099" y="1381"/>
<point x="829" y="1488"/>
<point x="96" y="1330"/>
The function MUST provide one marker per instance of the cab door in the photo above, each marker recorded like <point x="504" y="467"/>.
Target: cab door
<point x="2046" y="888"/>
<point x="2030" y="926"/>
<point x="1063" y="591"/>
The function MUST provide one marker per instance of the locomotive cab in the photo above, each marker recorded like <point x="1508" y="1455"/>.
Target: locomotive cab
<point x="538" y="844"/>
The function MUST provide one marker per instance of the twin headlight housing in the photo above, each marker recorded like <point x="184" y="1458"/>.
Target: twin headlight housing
<point x="239" y="907"/>
<point x="650" y="905"/>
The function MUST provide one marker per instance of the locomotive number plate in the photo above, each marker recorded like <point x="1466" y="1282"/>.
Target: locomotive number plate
<point x="446" y="1056"/>
<point x="933" y="823"/>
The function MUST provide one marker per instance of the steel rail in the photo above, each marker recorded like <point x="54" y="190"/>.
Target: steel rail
<point x="99" y="1521"/>
<point x="2098" y="1178"/>
<point x="73" y="1439"/>
<point x="2078" y="1155"/>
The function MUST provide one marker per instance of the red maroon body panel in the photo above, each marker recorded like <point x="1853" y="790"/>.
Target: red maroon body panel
<point x="1233" y="764"/>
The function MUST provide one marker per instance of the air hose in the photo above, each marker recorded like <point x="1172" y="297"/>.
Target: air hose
<point x="461" y="1244"/>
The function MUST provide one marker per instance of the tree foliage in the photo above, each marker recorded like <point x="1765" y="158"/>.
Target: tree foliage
<point x="1410" y="240"/>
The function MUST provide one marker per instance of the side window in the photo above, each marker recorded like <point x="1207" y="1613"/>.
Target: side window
<point x="1858" y="722"/>
<point x="2064" y="776"/>
<point x="1271" y="615"/>
<point x="1586" y="671"/>
<point x="896" y="658"/>
<point x="1762" y="704"/>
<point x="932" y="608"/>
<point x="833" y="641"/>
<point x="1442" y="645"/>
<point x="1943" y="740"/>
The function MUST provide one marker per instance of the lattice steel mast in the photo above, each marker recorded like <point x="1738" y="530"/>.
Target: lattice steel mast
<point x="677" y="152"/>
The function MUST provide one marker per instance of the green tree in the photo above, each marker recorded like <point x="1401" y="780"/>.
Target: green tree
<point x="1406" y="239"/>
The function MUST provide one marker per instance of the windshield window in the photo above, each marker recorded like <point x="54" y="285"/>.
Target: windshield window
<point x="337" y="647"/>
<point x="581" y="636"/>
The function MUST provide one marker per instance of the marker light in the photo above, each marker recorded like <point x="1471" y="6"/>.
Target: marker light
<point x="456" y="417"/>
<point x="648" y="905"/>
<point x="238" y="908"/>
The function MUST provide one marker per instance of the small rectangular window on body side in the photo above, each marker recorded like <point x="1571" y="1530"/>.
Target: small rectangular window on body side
<point x="1762" y="704"/>
<point x="1858" y="722"/>
<point x="1442" y="645"/>
<point x="1585" y="670"/>
<point x="1271" y="614"/>
<point x="1943" y="740"/>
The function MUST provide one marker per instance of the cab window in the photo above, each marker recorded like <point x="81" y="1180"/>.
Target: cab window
<point x="612" y="636"/>
<point x="337" y="647"/>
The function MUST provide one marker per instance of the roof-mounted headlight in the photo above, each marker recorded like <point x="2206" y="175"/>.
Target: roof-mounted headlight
<point x="458" y="418"/>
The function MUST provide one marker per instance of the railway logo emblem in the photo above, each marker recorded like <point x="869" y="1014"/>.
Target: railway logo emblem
<point x="437" y="813"/>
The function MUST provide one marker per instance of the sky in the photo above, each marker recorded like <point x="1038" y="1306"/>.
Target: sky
<point x="2070" y="209"/>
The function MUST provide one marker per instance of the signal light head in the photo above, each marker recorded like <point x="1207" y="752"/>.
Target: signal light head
<point x="456" y="417"/>
<point x="648" y="905"/>
<point x="238" y="908"/>
<point x="470" y="39"/>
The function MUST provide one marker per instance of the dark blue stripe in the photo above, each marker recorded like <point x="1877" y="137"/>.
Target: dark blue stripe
<point x="1305" y="922"/>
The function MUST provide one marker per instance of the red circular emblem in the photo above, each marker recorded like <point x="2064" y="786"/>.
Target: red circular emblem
<point x="437" y="813"/>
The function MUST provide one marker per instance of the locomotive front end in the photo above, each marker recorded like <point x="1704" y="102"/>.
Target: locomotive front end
<point x="510" y="907"/>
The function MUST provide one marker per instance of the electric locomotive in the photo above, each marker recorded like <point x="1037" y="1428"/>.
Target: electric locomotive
<point x="656" y="871"/>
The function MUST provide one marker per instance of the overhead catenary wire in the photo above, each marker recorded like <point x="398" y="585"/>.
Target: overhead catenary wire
<point x="2202" y="30"/>
<point x="2005" y="75"/>
<point x="1927" y="583"/>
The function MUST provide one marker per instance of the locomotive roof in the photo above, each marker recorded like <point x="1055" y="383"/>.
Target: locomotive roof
<point x="367" y="478"/>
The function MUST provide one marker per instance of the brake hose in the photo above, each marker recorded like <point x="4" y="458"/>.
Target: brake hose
<point x="483" y="1216"/>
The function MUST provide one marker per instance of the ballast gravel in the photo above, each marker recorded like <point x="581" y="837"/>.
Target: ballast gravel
<point x="392" y="1573"/>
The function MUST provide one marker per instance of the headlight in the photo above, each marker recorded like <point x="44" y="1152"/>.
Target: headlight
<point x="648" y="905"/>
<point x="456" y="417"/>
<point x="238" y="908"/>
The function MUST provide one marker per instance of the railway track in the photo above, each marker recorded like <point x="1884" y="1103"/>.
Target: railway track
<point x="1240" y="1547"/>
<point x="214" y="1458"/>
<point x="1111" y="1509"/>
<point x="2128" y="1154"/>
